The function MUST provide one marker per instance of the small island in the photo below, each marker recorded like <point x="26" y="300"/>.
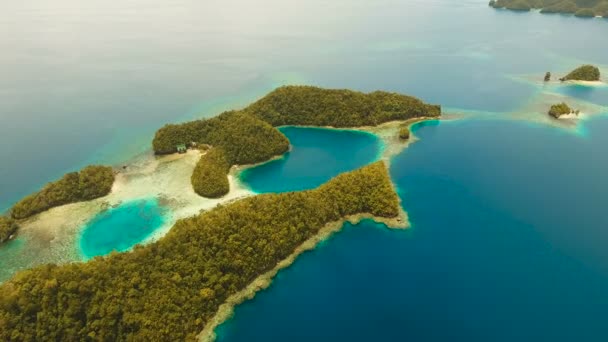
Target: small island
<point x="561" y="109"/>
<point x="404" y="133"/>
<point x="582" y="9"/>
<point x="587" y="72"/>
<point x="250" y="136"/>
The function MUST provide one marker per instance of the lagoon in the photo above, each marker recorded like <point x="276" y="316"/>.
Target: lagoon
<point x="119" y="229"/>
<point x="316" y="155"/>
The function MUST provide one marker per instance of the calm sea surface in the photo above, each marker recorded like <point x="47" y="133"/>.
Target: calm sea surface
<point x="91" y="82"/>
<point x="316" y="156"/>
<point x="509" y="243"/>
<point x="510" y="232"/>
<point x="120" y="228"/>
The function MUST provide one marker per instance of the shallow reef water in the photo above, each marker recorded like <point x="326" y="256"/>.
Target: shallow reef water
<point x="120" y="228"/>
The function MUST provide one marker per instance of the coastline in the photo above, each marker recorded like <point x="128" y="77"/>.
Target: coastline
<point x="387" y="132"/>
<point x="263" y="281"/>
<point x="52" y="236"/>
<point x="586" y="83"/>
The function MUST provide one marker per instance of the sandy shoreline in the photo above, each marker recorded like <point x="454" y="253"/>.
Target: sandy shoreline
<point x="262" y="282"/>
<point x="586" y="83"/>
<point x="53" y="235"/>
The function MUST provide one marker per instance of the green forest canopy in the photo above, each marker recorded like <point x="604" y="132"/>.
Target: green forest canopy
<point x="209" y="176"/>
<point x="168" y="290"/>
<point x="583" y="73"/>
<point x="8" y="226"/>
<point x="91" y="182"/>
<point x="581" y="8"/>
<point x="560" y="109"/>
<point x="249" y="136"/>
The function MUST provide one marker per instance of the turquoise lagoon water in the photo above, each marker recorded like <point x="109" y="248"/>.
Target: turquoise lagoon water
<point x="121" y="228"/>
<point x="508" y="244"/>
<point x="316" y="156"/>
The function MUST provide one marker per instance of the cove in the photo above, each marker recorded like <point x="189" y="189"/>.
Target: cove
<point x="508" y="244"/>
<point x="317" y="155"/>
<point x="121" y="228"/>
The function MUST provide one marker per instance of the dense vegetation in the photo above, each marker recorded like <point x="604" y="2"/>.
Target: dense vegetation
<point x="312" y="106"/>
<point x="90" y="183"/>
<point x="583" y="73"/>
<point x="248" y="136"/>
<point x="404" y="133"/>
<point x="560" y="109"/>
<point x="8" y="226"/>
<point x="237" y="138"/>
<point x="168" y="290"/>
<point x="209" y="176"/>
<point x="581" y="8"/>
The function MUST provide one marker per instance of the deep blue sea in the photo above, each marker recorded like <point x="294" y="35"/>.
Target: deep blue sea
<point x="510" y="229"/>
<point x="315" y="157"/>
<point x="509" y="243"/>
<point x="119" y="229"/>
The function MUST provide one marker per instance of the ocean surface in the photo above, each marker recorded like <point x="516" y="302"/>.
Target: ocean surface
<point x="90" y="82"/>
<point x="508" y="243"/>
<point x="119" y="229"/>
<point x="315" y="157"/>
<point x="509" y="239"/>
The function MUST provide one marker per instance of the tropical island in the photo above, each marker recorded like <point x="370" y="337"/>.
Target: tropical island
<point x="169" y="290"/>
<point x="587" y="72"/>
<point x="249" y="136"/>
<point x="580" y="8"/>
<point x="561" y="109"/>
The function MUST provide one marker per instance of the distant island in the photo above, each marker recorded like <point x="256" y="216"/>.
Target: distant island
<point x="91" y="182"/>
<point x="561" y="109"/>
<point x="583" y="73"/>
<point x="580" y="8"/>
<point x="172" y="289"/>
<point x="249" y="136"/>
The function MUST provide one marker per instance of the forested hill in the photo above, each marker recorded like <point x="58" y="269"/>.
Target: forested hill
<point x="168" y="290"/>
<point x="247" y="136"/>
<point x="580" y="8"/>
<point x="313" y="106"/>
<point x="91" y="182"/>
